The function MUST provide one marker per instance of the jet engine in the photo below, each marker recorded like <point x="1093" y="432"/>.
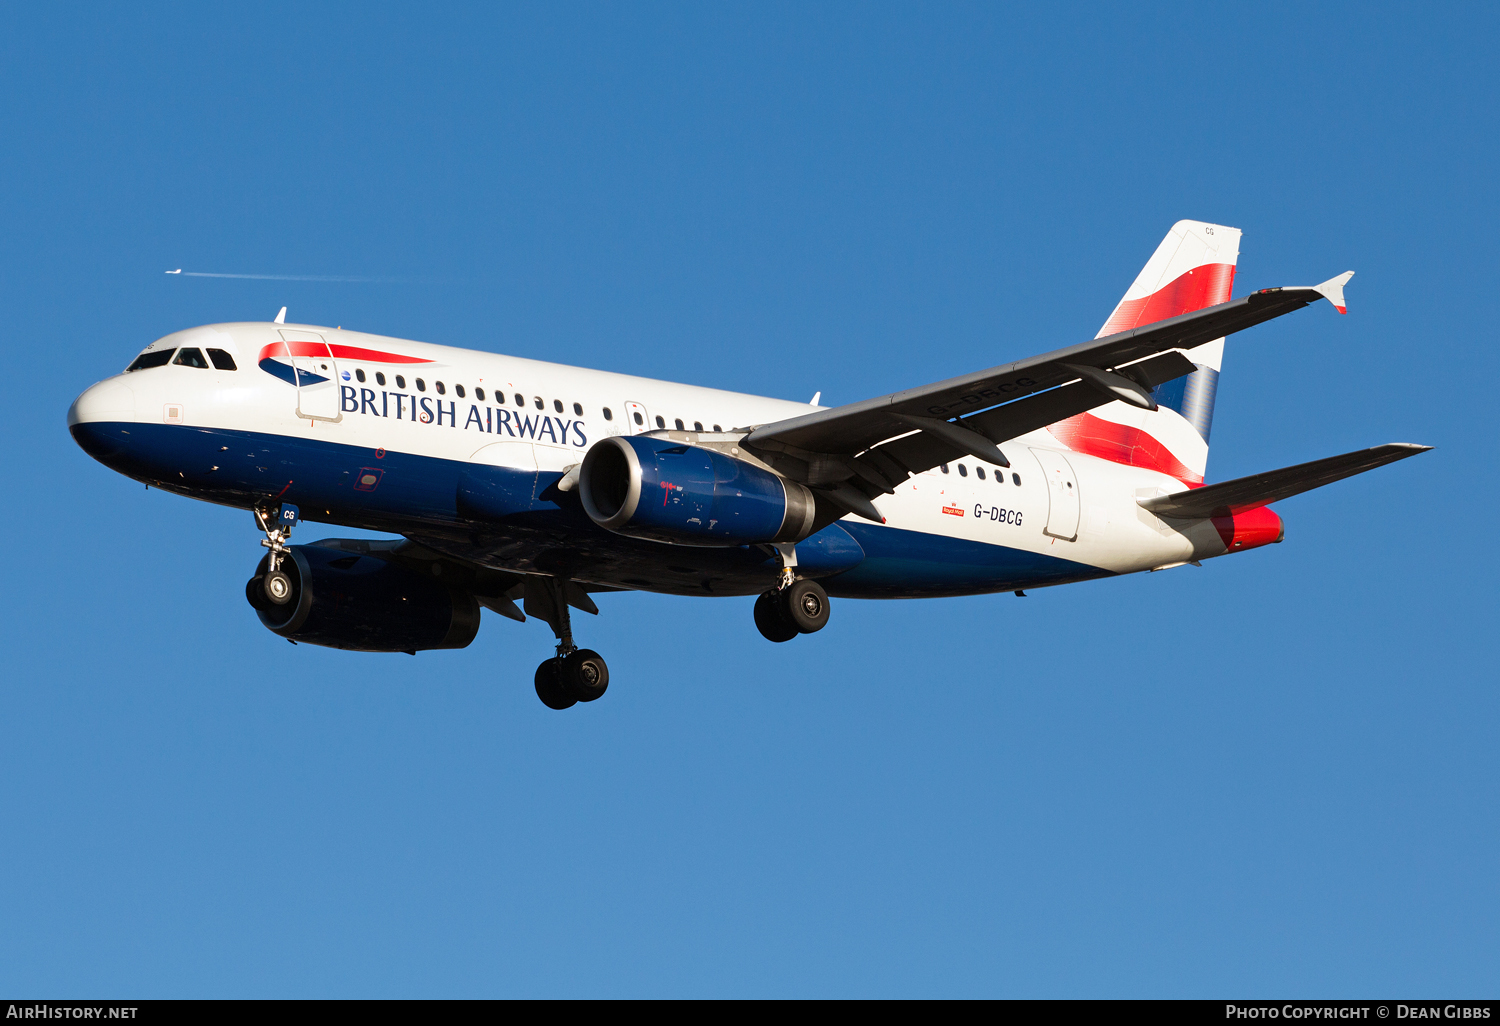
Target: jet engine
<point x="666" y="491"/>
<point x="346" y="600"/>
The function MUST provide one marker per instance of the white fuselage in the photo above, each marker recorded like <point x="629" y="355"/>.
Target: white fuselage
<point x="386" y="396"/>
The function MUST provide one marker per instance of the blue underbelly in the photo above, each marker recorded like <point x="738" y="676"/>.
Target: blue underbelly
<point x="910" y="564"/>
<point x="505" y="518"/>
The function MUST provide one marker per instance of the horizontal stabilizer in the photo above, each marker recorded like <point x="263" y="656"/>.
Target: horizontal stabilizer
<point x="1228" y="498"/>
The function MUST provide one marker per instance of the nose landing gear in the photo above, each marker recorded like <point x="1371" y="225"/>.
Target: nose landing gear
<point x="275" y="587"/>
<point x="796" y="606"/>
<point x="575" y="674"/>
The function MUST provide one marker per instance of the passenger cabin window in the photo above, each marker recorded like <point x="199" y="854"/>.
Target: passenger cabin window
<point x="521" y="399"/>
<point x="148" y="360"/>
<point x="979" y="473"/>
<point x="479" y="394"/>
<point x="421" y="385"/>
<point x="717" y="428"/>
<point x="578" y="409"/>
<point x="660" y="421"/>
<point x="557" y="405"/>
<point x="359" y="375"/>
<point x="400" y="381"/>
<point x="608" y="414"/>
<point x="678" y="422"/>
<point x="638" y="420"/>
<point x="379" y="378"/>
<point x="943" y="467"/>
<point x="440" y="389"/>
<point x="1016" y="478"/>
<point x="539" y="404"/>
<point x="191" y="358"/>
<point x="963" y="471"/>
<point x="697" y="425"/>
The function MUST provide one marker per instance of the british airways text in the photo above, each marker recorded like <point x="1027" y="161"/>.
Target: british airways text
<point x="422" y="409"/>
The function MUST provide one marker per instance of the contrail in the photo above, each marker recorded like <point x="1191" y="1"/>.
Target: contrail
<point x="284" y="277"/>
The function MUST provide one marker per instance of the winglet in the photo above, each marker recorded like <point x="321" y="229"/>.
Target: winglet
<point x="281" y="317"/>
<point x="1333" y="290"/>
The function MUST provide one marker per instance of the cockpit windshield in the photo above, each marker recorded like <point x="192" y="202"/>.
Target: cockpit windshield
<point x="190" y="356"/>
<point x="148" y="360"/>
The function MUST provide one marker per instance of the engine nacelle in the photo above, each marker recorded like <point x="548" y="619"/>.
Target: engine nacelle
<point x="364" y="603"/>
<point x="666" y="491"/>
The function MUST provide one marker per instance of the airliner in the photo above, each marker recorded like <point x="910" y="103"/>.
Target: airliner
<point x="507" y="480"/>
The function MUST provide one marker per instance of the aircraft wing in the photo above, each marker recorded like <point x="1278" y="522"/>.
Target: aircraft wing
<point x="1246" y="493"/>
<point x="867" y="448"/>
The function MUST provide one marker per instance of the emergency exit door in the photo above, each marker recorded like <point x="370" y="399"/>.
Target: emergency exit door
<point x="637" y="418"/>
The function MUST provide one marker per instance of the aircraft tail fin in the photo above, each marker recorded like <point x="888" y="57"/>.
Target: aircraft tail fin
<point x="1192" y="268"/>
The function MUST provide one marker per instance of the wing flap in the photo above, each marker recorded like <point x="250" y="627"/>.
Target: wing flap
<point x="1229" y="498"/>
<point x="922" y="450"/>
<point x="858" y="426"/>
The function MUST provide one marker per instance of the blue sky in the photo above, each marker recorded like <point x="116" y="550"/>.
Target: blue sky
<point x="1274" y="775"/>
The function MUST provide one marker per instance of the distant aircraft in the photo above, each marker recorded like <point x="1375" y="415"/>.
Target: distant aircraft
<point x="178" y="271"/>
<point x="520" y="480"/>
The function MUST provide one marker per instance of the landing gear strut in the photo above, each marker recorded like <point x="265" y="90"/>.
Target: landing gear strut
<point x="275" y="587"/>
<point x="575" y="674"/>
<point x="795" y="606"/>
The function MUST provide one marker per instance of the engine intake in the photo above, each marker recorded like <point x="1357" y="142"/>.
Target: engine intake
<point x="365" y="604"/>
<point x="667" y="491"/>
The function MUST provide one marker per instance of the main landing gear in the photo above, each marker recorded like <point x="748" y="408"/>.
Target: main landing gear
<point x="795" y="606"/>
<point x="575" y="674"/>
<point x="565" y="680"/>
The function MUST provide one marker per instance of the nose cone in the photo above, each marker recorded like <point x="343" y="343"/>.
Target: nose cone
<point x="110" y="400"/>
<point x="95" y="417"/>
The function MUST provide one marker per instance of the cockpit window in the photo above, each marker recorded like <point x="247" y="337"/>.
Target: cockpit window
<point x="223" y="361"/>
<point x="148" y="360"/>
<point x="190" y="357"/>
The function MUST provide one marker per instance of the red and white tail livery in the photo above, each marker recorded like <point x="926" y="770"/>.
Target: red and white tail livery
<point x="1193" y="268"/>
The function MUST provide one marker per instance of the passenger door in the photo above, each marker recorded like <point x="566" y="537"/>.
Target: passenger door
<point x="317" y="375"/>
<point x="1062" y="494"/>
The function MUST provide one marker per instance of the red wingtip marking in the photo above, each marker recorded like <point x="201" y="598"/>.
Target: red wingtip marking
<point x="1342" y="309"/>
